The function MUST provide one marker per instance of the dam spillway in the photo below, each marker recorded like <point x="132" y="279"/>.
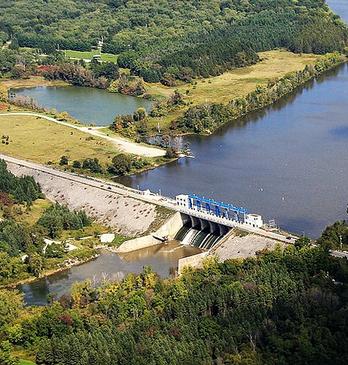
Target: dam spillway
<point x="206" y="221"/>
<point x="200" y="233"/>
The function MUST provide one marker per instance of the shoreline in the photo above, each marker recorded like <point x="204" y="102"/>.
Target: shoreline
<point x="319" y="74"/>
<point x="49" y="272"/>
<point x="128" y="145"/>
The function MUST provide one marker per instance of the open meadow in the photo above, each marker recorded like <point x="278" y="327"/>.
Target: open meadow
<point x="232" y="84"/>
<point x="88" y="55"/>
<point x="39" y="140"/>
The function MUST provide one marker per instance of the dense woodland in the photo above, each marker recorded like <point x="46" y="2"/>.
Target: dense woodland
<point x="283" y="307"/>
<point x="178" y="38"/>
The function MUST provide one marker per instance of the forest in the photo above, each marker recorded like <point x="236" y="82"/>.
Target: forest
<point x="288" y="306"/>
<point x="182" y="39"/>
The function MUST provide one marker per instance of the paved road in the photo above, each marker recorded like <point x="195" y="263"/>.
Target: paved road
<point x="121" y="143"/>
<point x="137" y="194"/>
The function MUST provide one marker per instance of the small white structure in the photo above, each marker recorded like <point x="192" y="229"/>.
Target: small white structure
<point x="254" y="220"/>
<point x="182" y="200"/>
<point x="70" y="247"/>
<point x="24" y="257"/>
<point x="107" y="237"/>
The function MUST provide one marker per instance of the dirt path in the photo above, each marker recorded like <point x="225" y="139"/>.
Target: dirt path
<point x="121" y="143"/>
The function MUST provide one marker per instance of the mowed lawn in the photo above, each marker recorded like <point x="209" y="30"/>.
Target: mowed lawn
<point x="236" y="83"/>
<point x="87" y="55"/>
<point x="39" y="140"/>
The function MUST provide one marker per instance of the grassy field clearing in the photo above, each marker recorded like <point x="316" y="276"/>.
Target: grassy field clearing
<point x="235" y="83"/>
<point x="41" y="141"/>
<point x="33" y="81"/>
<point x="87" y="55"/>
<point x="26" y="362"/>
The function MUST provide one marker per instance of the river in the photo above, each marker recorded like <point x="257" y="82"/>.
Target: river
<point x="88" y="105"/>
<point x="163" y="259"/>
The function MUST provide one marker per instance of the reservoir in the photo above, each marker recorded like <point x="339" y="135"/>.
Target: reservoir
<point x="88" y="105"/>
<point x="163" y="259"/>
<point x="288" y="163"/>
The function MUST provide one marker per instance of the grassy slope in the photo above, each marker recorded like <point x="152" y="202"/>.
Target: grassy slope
<point x="34" y="213"/>
<point x="233" y="84"/>
<point x="42" y="141"/>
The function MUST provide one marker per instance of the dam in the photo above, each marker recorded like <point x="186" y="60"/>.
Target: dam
<point x="146" y="216"/>
<point x="206" y="221"/>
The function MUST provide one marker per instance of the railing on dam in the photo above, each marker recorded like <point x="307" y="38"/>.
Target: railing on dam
<point x="211" y="217"/>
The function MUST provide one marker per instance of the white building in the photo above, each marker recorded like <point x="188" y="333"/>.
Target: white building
<point x="253" y="220"/>
<point x="182" y="201"/>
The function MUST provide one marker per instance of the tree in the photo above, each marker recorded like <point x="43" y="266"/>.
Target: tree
<point x="55" y="250"/>
<point x="139" y="114"/>
<point x="171" y="153"/>
<point x="76" y="164"/>
<point x="35" y="263"/>
<point x="14" y="44"/>
<point x="93" y="165"/>
<point x="302" y="242"/>
<point x="11" y="302"/>
<point x="6" y="357"/>
<point x="121" y="164"/>
<point x="64" y="160"/>
<point x="53" y="223"/>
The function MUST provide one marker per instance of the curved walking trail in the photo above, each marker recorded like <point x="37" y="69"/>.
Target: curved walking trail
<point x="122" y="143"/>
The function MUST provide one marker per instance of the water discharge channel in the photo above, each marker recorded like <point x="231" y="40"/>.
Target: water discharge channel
<point x="163" y="259"/>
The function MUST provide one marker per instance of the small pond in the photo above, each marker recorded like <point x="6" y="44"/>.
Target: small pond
<point x="88" y="105"/>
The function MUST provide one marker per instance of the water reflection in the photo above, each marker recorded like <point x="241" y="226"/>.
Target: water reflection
<point x="88" y="105"/>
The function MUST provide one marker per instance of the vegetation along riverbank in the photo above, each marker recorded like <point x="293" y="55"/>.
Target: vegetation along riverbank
<point x="223" y="74"/>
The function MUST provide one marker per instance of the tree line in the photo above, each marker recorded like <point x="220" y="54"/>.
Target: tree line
<point x="22" y="246"/>
<point x="23" y="189"/>
<point x="179" y="39"/>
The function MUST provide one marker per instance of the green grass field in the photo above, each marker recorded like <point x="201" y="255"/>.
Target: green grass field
<point x="26" y="362"/>
<point x="41" y="141"/>
<point x="233" y="84"/>
<point x="87" y="55"/>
